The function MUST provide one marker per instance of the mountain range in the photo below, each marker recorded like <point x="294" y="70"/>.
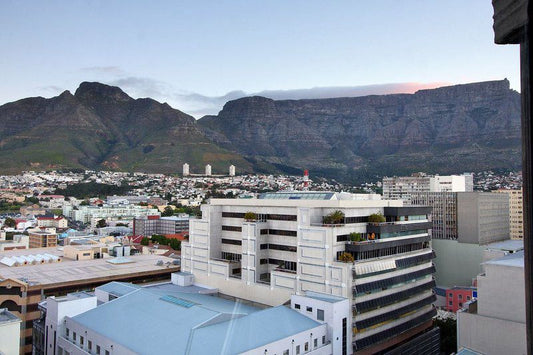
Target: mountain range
<point x="452" y="129"/>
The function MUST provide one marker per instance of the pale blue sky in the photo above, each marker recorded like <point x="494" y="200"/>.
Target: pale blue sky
<point x="171" y="50"/>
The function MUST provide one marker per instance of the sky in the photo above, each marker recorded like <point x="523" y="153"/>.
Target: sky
<point x="197" y="54"/>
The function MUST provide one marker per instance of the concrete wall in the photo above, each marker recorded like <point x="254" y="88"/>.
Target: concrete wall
<point x="490" y="336"/>
<point x="482" y="217"/>
<point x="10" y="338"/>
<point x="501" y="293"/>
<point x="456" y="263"/>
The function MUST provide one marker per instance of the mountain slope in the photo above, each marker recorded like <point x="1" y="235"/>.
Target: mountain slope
<point x="101" y="127"/>
<point x="451" y="129"/>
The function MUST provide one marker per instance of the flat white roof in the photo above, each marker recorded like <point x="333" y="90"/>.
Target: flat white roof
<point x="71" y="270"/>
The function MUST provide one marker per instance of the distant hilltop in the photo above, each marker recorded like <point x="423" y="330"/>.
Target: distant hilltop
<point x="470" y="127"/>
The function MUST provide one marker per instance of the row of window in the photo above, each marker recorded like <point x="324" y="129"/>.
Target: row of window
<point x="279" y="232"/>
<point x="232" y="228"/>
<point x="273" y="217"/>
<point x="231" y="241"/>
<point x="81" y="344"/>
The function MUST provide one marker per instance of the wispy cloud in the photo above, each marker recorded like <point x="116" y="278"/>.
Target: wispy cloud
<point x="199" y="105"/>
<point x="110" y="69"/>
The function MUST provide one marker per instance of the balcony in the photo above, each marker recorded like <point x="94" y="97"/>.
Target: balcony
<point x="395" y="227"/>
<point x="368" y="245"/>
<point x="388" y="282"/>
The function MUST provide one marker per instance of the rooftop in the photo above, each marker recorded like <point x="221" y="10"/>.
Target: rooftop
<point x="324" y="297"/>
<point x="186" y="322"/>
<point x="71" y="270"/>
<point x="513" y="260"/>
<point x="7" y="317"/>
<point x="507" y="245"/>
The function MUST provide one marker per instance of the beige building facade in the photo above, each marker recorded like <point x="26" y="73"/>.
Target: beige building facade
<point x="516" y="218"/>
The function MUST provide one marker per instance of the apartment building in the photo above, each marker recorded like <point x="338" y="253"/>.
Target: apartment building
<point x="123" y="213"/>
<point x="42" y="239"/>
<point x="374" y="252"/>
<point x="53" y="221"/>
<point x="401" y="187"/>
<point x="516" y="218"/>
<point x="150" y="225"/>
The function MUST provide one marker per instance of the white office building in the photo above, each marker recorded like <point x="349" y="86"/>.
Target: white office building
<point x="401" y="187"/>
<point x="295" y="243"/>
<point x="181" y="317"/>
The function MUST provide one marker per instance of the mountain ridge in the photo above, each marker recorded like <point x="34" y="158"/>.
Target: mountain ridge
<point x="467" y="127"/>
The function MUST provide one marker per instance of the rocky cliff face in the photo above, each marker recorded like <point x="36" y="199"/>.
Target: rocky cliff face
<point x="101" y="127"/>
<point x="446" y="130"/>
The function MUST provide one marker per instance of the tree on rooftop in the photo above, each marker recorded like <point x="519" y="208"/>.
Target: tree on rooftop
<point x="376" y="218"/>
<point x="10" y="222"/>
<point x="168" y="211"/>
<point x="145" y="241"/>
<point x="250" y="216"/>
<point x="346" y="258"/>
<point x="101" y="223"/>
<point x="335" y="217"/>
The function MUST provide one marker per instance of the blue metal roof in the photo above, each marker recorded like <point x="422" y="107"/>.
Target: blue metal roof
<point x="146" y="324"/>
<point x="118" y="288"/>
<point x="246" y="333"/>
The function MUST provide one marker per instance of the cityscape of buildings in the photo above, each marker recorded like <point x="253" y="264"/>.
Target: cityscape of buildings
<point x="350" y="273"/>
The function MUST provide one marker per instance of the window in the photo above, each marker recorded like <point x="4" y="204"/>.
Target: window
<point x="306" y="346"/>
<point x="106" y="352"/>
<point x="468" y="298"/>
<point x="67" y="332"/>
<point x="74" y="336"/>
<point x="296" y="306"/>
<point x="460" y="297"/>
<point x="97" y="349"/>
<point x="231" y="241"/>
<point x="232" y="228"/>
<point x="450" y="295"/>
<point x="90" y="345"/>
<point x="315" y="343"/>
<point x="323" y="339"/>
<point x="81" y="341"/>
<point x="59" y="350"/>
<point x="450" y="303"/>
<point x="297" y="349"/>
<point x="460" y="304"/>
<point x="286" y="352"/>
<point x="309" y="309"/>
<point x="320" y="314"/>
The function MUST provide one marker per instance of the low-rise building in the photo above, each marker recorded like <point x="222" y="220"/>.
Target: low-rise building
<point x="150" y="225"/>
<point x="186" y="318"/>
<point x="53" y="221"/>
<point x="46" y="272"/>
<point x="42" y="240"/>
<point x="458" y="296"/>
<point x="19" y="241"/>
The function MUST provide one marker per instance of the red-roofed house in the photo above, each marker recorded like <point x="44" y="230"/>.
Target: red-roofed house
<point x="57" y="222"/>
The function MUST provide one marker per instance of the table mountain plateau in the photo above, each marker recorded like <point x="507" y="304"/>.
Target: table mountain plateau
<point x="468" y="127"/>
